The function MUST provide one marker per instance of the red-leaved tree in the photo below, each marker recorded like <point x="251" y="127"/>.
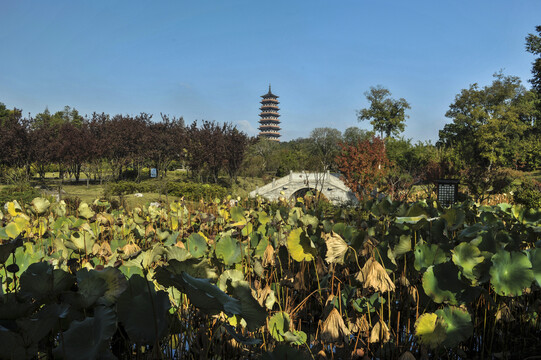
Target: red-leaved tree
<point x="363" y="165"/>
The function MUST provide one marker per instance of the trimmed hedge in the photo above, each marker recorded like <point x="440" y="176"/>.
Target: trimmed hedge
<point x="190" y="191"/>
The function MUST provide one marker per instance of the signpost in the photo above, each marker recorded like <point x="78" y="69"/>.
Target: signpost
<point x="447" y="191"/>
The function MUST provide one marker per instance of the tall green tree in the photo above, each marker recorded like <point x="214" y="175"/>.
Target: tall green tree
<point x="533" y="45"/>
<point x="387" y="115"/>
<point x="488" y="122"/>
<point x="325" y="146"/>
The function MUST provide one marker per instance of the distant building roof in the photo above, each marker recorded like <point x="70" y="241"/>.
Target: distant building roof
<point x="270" y="94"/>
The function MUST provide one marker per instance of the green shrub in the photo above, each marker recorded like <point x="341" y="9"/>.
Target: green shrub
<point x="23" y="194"/>
<point x="528" y="194"/>
<point x="121" y="188"/>
<point x="196" y="191"/>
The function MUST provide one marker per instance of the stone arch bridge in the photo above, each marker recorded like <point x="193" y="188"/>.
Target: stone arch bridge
<point x="298" y="183"/>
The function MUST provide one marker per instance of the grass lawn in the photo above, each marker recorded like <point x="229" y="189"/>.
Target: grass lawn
<point x="93" y="191"/>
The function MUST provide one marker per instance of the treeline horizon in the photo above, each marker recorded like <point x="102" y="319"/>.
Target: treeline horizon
<point x="72" y="144"/>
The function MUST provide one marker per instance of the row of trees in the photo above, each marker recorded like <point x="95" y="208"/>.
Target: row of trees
<point x="119" y="145"/>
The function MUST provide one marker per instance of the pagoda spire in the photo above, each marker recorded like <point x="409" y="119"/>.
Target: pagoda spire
<point x="269" y="124"/>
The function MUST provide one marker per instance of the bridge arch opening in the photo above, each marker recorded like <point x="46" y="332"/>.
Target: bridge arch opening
<point x="309" y="191"/>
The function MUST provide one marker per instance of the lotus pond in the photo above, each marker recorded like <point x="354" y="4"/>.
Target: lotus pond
<point x="270" y="281"/>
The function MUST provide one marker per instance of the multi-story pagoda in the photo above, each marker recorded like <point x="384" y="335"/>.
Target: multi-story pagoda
<point x="269" y="125"/>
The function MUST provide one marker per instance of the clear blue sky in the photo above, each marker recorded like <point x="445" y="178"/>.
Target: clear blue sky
<point x="213" y="59"/>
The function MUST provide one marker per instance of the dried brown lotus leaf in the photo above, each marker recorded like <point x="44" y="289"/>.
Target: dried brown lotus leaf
<point x="373" y="275"/>
<point x="404" y="281"/>
<point x="299" y="283"/>
<point x="380" y="332"/>
<point x="269" y="256"/>
<point x="180" y="244"/>
<point x="504" y="314"/>
<point x="262" y="294"/>
<point x="336" y="248"/>
<point x="104" y="250"/>
<point x="130" y="249"/>
<point x="95" y="248"/>
<point x="362" y="323"/>
<point x="358" y="324"/>
<point x="368" y="246"/>
<point x="413" y="293"/>
<point x="149" y="230"/>
<point x="334" y="329"/>
<point x="320" y="267"/>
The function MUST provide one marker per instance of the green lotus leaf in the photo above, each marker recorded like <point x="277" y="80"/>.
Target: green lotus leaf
<point x="59" y="208"/>
<point x="91" y="286"/>
<point x="14" y="346"/>
<point x="454" y="217"/>
<point x="263" y="217"/>
<point x="253" y="313"/>
<point x="8" y="248"/>
<point x="84" y="211"/>
<point x="466" y="257"/>
<point x="81" y="241"/>
<point x="201" y="292"/>
<point x="511" y="273"/>
<point x="36" y="280"/>
<point x="13" y="308"/>
<point x="227" y="277"/>
<point x="162" y="235"/>
<point x="412" y="220"/>
<point x="532" y="216"/>
<point x="427" y="255"/>
<point x="403" y="246"/>
<point x="472" y="231"/>
<point x="241" y="339"/>
<point x="41" y="323"/>
<point x="90" y="338"/>
<point x="307" y="220"/>
<point x="237" y="214"/>
<point x="279" y="325"/>
<point x="153" y="256"/>
<point x="300" y="246"/>
<point x="228" y="250"/>
<point x="459" y="326"/>
<point x="261" y="247"/>
<point x="197" y="245"/>
<point x="40" y="205"/>
<point x="116" y="284"/>
<point x="295" y="337"/>
<point x="196" y="268"/>
<point x="442" y="284"/>
<point x="26" y="255"/>
<point x="12" y="230"/>
<point x="430" y="330"/>
<point x="535" y="258"/>
<point x="143" y="311"/>
<point x="347" y="232"/>
<point x="176" y="253"/>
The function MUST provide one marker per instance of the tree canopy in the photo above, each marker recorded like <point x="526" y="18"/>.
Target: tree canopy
<point x="533" y="45"/>
<point x="489" y="122"/>
<point x="387" y="115"/>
